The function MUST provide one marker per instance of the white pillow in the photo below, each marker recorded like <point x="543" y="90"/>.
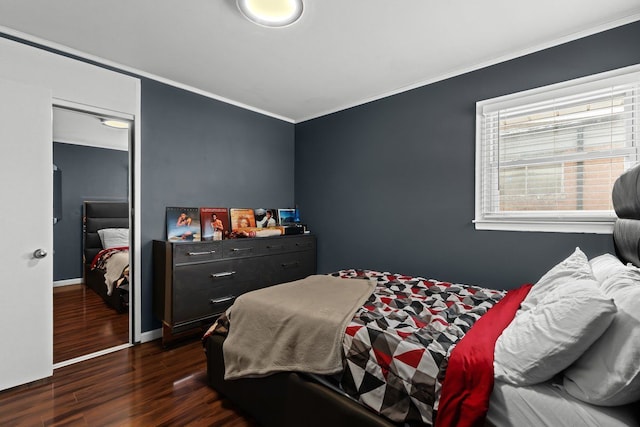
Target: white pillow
<point x="543" y="341"/>
<point x="605" y="266"/>
<point x="608" y="373"/>
<point x="574" y="267"/>
<point x="114" y="237"/>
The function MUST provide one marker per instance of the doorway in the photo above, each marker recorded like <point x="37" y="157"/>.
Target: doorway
<point x="92" y="163"/>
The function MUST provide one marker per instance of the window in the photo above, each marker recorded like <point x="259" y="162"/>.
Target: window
<point x="546" y="159"/>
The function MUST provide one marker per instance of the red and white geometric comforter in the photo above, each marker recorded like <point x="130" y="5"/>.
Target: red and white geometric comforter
<point x="397" y="345"/>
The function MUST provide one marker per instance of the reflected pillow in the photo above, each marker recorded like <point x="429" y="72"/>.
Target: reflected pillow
<point x="608" y="373"/>
<point x="543" y="341"/>
<point x="114" y="237"/>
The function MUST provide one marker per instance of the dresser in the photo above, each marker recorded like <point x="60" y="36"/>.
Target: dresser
<point x="194" y="282"/>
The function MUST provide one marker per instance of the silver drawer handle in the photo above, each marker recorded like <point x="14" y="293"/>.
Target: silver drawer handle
<point x="223" y="274"/>
<point x="241" y="249"/>
<point x="201" y="253"/>
<point x="275" y="247"/>
<point x="223" y="299"/>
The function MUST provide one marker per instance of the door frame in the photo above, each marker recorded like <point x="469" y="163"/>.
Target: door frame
<point x="135" y="330"/>
<point x="134" y="254"/>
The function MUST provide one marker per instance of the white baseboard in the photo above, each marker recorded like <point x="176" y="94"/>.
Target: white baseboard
<point x="151" y="335"/>
<point x="67" y="282"/>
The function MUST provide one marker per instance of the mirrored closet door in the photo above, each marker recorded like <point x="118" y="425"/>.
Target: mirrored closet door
<point x="91" y="180"/>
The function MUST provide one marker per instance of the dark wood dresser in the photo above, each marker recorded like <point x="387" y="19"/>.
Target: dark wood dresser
<point x="194" y="282"/>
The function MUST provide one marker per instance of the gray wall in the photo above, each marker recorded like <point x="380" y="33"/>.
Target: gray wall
<point x="389" y="185"/>
<point x="88" y="173"/>
<point x="200" y="152"/>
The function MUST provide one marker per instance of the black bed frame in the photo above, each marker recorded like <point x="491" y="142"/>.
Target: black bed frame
<point x="98" y="215"/>
<point x="287" y="399"/>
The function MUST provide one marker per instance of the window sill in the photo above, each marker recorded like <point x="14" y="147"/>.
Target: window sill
<point x="594" y="227"/>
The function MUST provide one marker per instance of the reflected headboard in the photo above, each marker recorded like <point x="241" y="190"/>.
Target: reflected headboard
<point x="626" y="202"/>
<point x="99" y="215"/>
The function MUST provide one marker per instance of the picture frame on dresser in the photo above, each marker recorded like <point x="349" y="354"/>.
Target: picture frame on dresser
<point x="266" y="217"/>
<point x="183" y="224"/>
<point x="242" y="218"/>
<point x="287" y="216"/>
<point x="215" y="223"/>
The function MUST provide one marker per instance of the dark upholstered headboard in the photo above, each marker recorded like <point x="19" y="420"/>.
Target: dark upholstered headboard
<point x="626" y="202"/>
<point x="99" y="215"/>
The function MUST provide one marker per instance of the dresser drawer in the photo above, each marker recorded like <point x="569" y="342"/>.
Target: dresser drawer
<point x="185" y="253"/>
<point x="210" y="288"/>
<point x="205" y="290"/>
<point x="291" y="266"/>
<point x="288" y="244"/>
<point x="235" y="248"/>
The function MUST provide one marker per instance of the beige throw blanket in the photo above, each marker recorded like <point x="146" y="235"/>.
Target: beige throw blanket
<point x="115" y="265"/>
<point x="296" y="326"/>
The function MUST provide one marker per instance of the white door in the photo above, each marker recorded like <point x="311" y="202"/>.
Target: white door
<point x="26" y="277"/>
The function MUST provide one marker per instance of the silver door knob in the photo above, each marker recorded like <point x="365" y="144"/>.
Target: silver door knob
<point x="39" y="253"/>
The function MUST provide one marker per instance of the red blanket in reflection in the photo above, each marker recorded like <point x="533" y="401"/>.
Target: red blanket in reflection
<point x="468" y="382"/>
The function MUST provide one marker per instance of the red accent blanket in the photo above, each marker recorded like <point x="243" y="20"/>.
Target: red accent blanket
<point x="464" y="400"/>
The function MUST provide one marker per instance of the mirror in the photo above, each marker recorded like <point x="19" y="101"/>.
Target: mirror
<point x="93" y="161"/>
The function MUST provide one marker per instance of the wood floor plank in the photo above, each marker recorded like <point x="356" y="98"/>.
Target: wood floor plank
<point x="145" y="385"/>
<point x="83" y="323"/>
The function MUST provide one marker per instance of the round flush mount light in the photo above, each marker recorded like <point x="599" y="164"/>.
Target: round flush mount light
<point x="118" y="124"/>
<point x="271" y="13"/>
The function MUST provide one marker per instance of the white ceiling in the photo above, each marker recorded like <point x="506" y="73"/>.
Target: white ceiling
<point x="340" y="54"/>
<point x="73" y="127"/>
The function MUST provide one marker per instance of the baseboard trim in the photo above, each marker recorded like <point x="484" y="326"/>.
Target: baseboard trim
<point x="67" y="282"/>
<point x="151" y="335"/>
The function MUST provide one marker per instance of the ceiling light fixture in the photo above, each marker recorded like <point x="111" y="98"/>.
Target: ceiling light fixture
<point x="271" y="13"/>
<point x="118" y="124"/>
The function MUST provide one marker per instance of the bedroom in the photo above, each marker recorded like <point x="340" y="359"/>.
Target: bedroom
<point x="428" y="234"/>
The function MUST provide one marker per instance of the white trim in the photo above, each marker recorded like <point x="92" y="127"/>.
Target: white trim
<point x="536" y="48"/>
<point x="99" y="111"/>
<point x="136" y="71"/>
<point x="136" y="209"/>
<point x="584" y="84"/>
<point x="67" y="282"/>
<point x="546" y="226"/>
<point x="488" y="63"/>
<point x="90" y="356"/>
<point x="151" y="335"/>
<point x="88" y="144"/>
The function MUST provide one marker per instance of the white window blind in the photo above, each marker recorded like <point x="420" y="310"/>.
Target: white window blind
<point x="549" y="157"/>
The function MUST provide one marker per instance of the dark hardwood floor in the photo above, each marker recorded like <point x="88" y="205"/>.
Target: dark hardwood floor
<point x="144" y="385"/>
<point x="83" y="323"/>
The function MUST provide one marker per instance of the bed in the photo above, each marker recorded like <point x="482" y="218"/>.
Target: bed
<point x="564" y="350"/>
<point x="106" y="251"/>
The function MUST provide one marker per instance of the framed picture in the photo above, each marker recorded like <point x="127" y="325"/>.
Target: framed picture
<point x="266" y="217"/>
<point x="214" y="223"/>
<point x="287" y="216"/>
<point x="242" y="218"/>
<point x="183" y="224"/>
